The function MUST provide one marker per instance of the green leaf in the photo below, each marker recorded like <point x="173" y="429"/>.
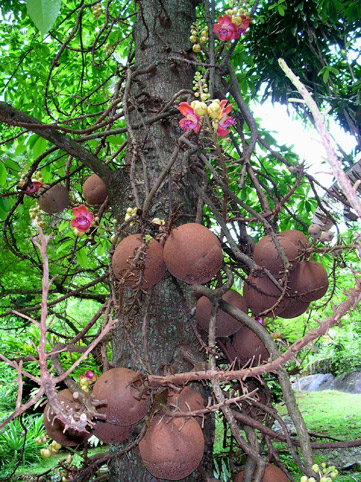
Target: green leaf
<point x="82" y="258"/>
<point x="326" y="75"/>
<point x="3" y="174"/>
<point x="43" y="13"/>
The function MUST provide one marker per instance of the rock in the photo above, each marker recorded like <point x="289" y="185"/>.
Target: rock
<point x="313" y="383"/>
<point x="350" y="383"/>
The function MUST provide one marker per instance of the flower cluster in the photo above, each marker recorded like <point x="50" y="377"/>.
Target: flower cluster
<point x="86" y="380"/>
<point x="36" y="217"/>
<point x="97" y="10"/>
<point x="131" y="212"/>
<point x="82" y="220"/>
<point x="232" y="25"/>
<point x="53" y="448"/>
<point x="198" y="36"/>
<point x="217" y="110"/>
<point x="326" y="474"/>
<point x="35" y="184"/>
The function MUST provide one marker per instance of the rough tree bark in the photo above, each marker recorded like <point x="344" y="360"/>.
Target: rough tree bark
<point x="158" y="323"/>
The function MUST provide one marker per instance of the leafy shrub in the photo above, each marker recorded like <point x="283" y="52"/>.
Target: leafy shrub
<point x="15" y="441"/>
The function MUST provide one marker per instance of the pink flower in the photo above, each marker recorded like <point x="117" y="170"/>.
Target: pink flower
<point x="191" y="119"/>
<point x="33" y="187"/>
<point x="241" y="29"/>
<point x="89" y="374"/>
<point x="83" y="218"/>
<point x="259" y="319"/>
<point x="225" y="121"/>
<point x="225" y="29"/>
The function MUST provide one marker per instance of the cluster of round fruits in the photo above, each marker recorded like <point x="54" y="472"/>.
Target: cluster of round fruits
<point x="327" y="474"/>
<point x="86" y="380"/>
<point x="200" y="87"/>
<point x="53" y="448"/>
<point x="97" y="10"/>
<point x="198" y="36"/>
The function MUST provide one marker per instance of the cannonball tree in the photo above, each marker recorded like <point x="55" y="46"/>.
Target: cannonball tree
<point x="152" y="98"/>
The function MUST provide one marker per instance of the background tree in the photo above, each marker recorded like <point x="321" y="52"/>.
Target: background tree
<point x="99" y="93"/>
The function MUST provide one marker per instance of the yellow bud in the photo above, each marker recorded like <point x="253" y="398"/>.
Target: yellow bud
<point x="214" y="110"/>
<point x="315" y="468"/>
<point x="200" y="108"/>
<point x="304" y="478"/>
<point x="193" y="32"/>
<point x="203" y="40"/>
<point x="237" y="21"/>
<point x="158" y="221"/>
<point x="276" y="336"/>
<point x="229" y="12"/>
<point x="46" y="453"/>
<point x="193" y="39"/>
<point x="196" y="48"/>
<point x="204" y="96"/>
<point x="55" y="445"/>
<point x="215" y="124"/>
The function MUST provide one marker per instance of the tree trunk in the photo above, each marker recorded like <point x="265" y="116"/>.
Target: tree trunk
<point x="149" y="333"/>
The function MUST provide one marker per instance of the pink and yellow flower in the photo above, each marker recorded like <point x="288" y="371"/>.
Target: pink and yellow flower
<point x="191" y="119"/>
<point x="229" y="27"/>
<point x="224" y="121"/>
<point x="83" y="219"/>
<point x="33" y="186"/>
<point x="243" y="26"/>
<point x="225" y="29"/>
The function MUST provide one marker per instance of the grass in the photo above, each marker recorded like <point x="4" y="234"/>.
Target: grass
<point x="335" y="413"/>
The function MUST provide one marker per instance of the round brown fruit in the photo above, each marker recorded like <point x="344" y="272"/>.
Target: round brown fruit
<point x="271" y="474"/>
<point x="94" y="190"/>
<point x="246" y="346"/>
<point x="122" y="405"/>
<point x="226" y="325"/>
<point x="261" y="294"/>
<point x="172" y="448"/>
<point x="315" y="231"/>
<point x="267" y="255"/>
<point x="309" y="281"/>
<point x="192" y="253"/>
<point x="55" y="429"/>
<point x="187" y="400"/>
<point x="296" y="237"/>
<point x="154" y="267"/>
<point x="111" y="433"/>
<point x="295" y="308"/>
<point x="54" y="200"/>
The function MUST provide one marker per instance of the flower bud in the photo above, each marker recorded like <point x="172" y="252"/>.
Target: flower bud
<point x="304" y="478"/>
<point x="55" y="445"/>
<point x="214" y="110"/>
<point x="315" y="468"/>
<point x="237" y="21"/>
<point x="196" y="48"/>
<point x="200" y="108"/>
<point x="46" y="453"/>
<point x="193" y="39"/>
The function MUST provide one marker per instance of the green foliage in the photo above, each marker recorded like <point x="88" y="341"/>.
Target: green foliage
<point x="43" y="13"/>
<point x="316" y="38"/>
<point x="18" y="439"/>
